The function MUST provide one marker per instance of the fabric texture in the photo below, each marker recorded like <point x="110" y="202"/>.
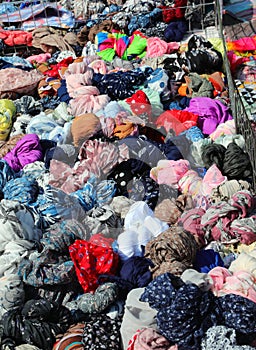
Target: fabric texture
<point x="96" y="303"/>
<point x="83" y="127"/>
<point x="218" y="336"/>
<point x="36" y="323"/>
<point x="26" y="151"/>
<point x="93" y="258"/>
<point x="172" y="251"/>
<point x="102" y="328"/>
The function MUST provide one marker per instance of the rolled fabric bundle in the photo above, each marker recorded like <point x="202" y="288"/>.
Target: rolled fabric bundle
<point x="103" y="260"/>
<point x="238" y="313"/>
<point x="105" y="191"/>
<point x="212" y="178"/>
<point x="184" y="202"/>
<point x="136" y="271"/>
<point x="211" y="113"/>
<point x="172" y="251"/>
<point x="225" y="191"/>
<point x="145" y="189"/>
<point x="191" y="222"/>
<point x="183" y="310"/>
<point x="28" y="106"/>
<point x="102" y="154"/>
<point x="164" y="284"/>
<point x="167" y="211"/>
<point x="239" y="283"/>
<point x="244" y="228"/>
<point x="136" y="47"/>
<point x="169" y="172"/>
<point x="175" y="31"/>
<point x="121" y="205"/>
<point x="245" y="202"/>
<point x="54" y="205"/>
<point x="7" y="112"/>
<point x="190" y="183"/>
<point x="96" y="303"/>
<point x="61" y="114"/>
<point x="31" y="324"/>
<point x="91" y="102"/>
<point x="61" y="134"/>
<point x="234" y="219"/>
<point x="78" y="82"/>
<point x="236" y="163"/>
<point x="95" y="193"/>
<point x="26" y="151"/>
<point x="110" y="111"/>
<point x="21" y="189"/>
<point x="38" y="172"/>
<point x="207" y="60"/>
<point x="193" y="134"/>
<point x="200" y="189"/>
<point x="119" y="44"/>
<point x="95" y="157"/>
<point x="213" y="154"/>
<point x="188" y="313"/>
<point x="140" y="226"/>
<point x="11" y="257"/>
<point x="124" y="173"/>
<point x="20" y="124"/>
<point x="15" y="82"/>
<point x="52" y="268"/>
<point x="17" y="222"/>
<point x="62" y="235"/>
<point x="83" y="127"/>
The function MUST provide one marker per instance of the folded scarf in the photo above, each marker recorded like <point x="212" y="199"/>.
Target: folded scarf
<point x="26" y="151"/>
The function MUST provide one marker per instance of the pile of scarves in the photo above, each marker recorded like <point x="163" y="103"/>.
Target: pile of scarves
<point x="127" y="205"/>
